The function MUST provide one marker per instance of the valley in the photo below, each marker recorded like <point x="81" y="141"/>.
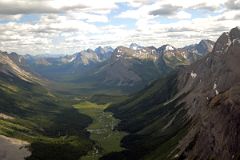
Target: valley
<point x="119" y="80"/>
<point x="127" y="103"/>
<point x="102" y="130"/>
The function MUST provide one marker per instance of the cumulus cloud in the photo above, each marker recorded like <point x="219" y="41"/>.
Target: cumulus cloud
<point x="237" y="17"/>
<point x="69" y="26"/>
<point x="233" y="4"/>
<point x="165" y="10"/>
<point x="10" y="17"/>
<point x="180" y="29"/>
<point x="88" y="17"/>
<point x="205" y="6"/>
<point x="30" y="7"/>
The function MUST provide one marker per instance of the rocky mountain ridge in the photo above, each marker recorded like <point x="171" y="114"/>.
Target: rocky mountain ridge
<point x="191" y="114"/>
<point x="133" y="67"/>
<point x="11" y="65"/>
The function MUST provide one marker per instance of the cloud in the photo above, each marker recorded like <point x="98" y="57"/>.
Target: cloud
<point x="88" y="17"/>
<point x="181" y="29"/>
<point x="10" y="17"/>
<point x="165" y="10"/>
<point x="69" y="26"/>
<point x="233" y="4"/>
<point x="237" y="17"/>
<point x="204" y="6"/>
<point x="12" y="7"/>
<point x="25" y="7"/>
<point x="229" y="15"/>
<point x="182" y="15"/>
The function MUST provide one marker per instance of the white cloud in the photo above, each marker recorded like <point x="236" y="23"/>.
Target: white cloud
<point x="88" y="17"/>
<point x="69" y="26"/>
<point x="183" y="15"/>
<point x="10" y="17"/>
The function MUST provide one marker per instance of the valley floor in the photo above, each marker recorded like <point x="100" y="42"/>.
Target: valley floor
<point x="102" y="131"/>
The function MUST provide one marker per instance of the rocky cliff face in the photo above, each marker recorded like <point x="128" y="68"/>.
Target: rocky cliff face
<point x="11" y="65"/>
<point x="192" y="114"/>
<point x="202" y="48"/>
<point x="213" y="103"/>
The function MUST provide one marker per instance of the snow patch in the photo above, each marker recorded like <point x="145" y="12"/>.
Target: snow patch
<point x="71" y="59"/>
<point x="229" y="43"/>
<point x="134" y="47"/>
<point x="20" y="60"/>
<point x="215" y="86"/>
<point x="193" y="75"/>
<point x="169" y="48"/>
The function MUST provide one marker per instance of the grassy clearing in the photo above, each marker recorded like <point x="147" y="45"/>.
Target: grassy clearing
<point x="102" y="130"/>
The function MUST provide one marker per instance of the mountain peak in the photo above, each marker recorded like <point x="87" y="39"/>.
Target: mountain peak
<point x="169" y="48"/>
<point x="166" y="47"/>
<point x="234" y="33"/>
<point x="89" y="50"/>
<point x="226" y="39"/>
<point x="135" y="46"/>
<point x="13" y="54"/>
<point x="104" y="52"/>
<point x="205" y="41"/>
<point x="104" y="49"/>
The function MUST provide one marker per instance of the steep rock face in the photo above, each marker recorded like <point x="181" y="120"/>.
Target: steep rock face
<point x="135" y="46"/>
<point x="172" y="56"/>
<point x="86" y="57"/>
<point x="141" y="65"/>
<point x="121" y="73"/>
<point x="128" y="67"/>
<point x="202" y="48"/>
<point x="213" y="104"/>
<point x="143" y="53"/>
<point x="104" y="53"/>
<point x="10" y="64"/>
<point x="192" y="114"/>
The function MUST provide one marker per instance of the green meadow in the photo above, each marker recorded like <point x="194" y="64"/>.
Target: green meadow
<point x="102" y="131"/>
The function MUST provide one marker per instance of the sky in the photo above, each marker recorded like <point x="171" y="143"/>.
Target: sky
<point x="69" y="26"/>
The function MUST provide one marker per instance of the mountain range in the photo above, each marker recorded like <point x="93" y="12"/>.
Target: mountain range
<point x="182" y="103"/>
<point x="127" y="68"/>
<point x="193" y="113"/>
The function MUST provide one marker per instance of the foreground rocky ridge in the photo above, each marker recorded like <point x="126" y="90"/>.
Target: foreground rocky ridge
<point x="213" y="102"/>
<point x="191" y="114"/>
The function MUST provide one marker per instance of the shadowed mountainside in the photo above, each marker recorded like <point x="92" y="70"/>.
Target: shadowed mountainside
<point x="191" y="114"/>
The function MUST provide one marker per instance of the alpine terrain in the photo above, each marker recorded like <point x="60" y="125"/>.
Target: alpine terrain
<point x="119" y="80"/>
<point x="190" y="114"/>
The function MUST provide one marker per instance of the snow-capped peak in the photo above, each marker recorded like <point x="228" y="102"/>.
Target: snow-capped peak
<point x="135" y="46"/>
<point x="169" y="48"/>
